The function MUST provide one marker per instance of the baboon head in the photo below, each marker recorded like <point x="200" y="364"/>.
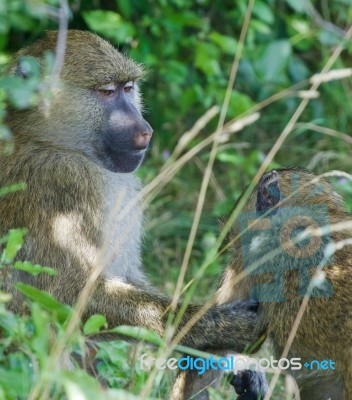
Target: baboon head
<point x="95" y="109"/>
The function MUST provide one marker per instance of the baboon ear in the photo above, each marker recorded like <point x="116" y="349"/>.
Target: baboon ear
<point x="268" y="195"/>
<point x="26" y="67"/>
<point x="20" y="71"/>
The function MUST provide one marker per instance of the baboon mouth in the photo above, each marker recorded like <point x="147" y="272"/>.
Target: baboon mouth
<point x="125" y="161"/>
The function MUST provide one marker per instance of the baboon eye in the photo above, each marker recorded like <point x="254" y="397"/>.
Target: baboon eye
<point x="107" y="90"/>
<point x="128" y="86"/>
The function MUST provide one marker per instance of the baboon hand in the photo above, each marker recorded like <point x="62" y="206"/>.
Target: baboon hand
<point x="250" y="385"/>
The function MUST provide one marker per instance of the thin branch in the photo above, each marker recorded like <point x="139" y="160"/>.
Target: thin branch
<point x="326" y="131"/>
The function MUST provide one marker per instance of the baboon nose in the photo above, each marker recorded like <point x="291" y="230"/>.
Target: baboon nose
<point x="142" y="139"/>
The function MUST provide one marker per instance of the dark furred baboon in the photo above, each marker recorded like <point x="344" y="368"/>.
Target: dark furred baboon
<point x="77" y="156"/>
<point x="291" y="200"/>
<point x="283" y="205"/>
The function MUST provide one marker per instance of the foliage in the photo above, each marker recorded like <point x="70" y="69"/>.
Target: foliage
<point x="188" y="47"/>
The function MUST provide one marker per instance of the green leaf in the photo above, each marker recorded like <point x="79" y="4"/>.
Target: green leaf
<point x="229" y="157"/>
<point x="33" y="269"/>
<point x="138" y="333"/>
<point x="299" y="6"/>
<point x="227" y="43"/>
<point x="5" y="297"/>
<point x="125" y="6"/>
<point x="94" y="324"/>
<point x="21" y="95"/>
<point x="120" y="394"/>
<point x="12" y="188"/>
<point x="41" y="340"/>
<point x="263" y="12"/>
<point x="239" y="103"/>
<point x="8" y="321"/>
<point x="298" y="69"/>
<point x="260" y="27"/>
<point x="15" y="239"/>
<point x="206" y="58"/>
<point x="46" y="300"/>
<point x="301" y="26"/>
<point x="271" y="66"/>
<point x="15" y="383"/>
<point x="2" y="394"/>
<point x="109" y="24"/>
<point x="79" y="384"/>
<point x="5" y="134"/>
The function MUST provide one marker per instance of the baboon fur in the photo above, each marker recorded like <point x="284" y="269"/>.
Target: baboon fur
<point x="79" y="205"/>
<point x="325" y="331"/>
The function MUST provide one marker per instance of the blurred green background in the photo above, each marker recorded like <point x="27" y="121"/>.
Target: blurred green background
<point x="188" y="48"/>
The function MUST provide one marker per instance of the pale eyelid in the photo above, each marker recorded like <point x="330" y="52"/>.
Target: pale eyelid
<point x="129" y="84"/>
<point x="110" y="86"/>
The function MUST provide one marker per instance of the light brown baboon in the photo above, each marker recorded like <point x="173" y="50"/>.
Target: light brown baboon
<point x="285" y="203"/>
<point x="77" y="156"/>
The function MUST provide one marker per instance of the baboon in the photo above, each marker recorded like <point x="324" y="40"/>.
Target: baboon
<point x="272" y="224"/>
<point x="77" y="155"/>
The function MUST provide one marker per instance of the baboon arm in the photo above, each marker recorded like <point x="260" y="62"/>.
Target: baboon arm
<point x="229" y="325"/>
<point x="226" y="326"/>
<point x="190" y="385"/>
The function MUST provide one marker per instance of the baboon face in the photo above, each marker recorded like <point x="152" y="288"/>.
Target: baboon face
<point x="96" y="108"/>
<point x="125" y="134"/>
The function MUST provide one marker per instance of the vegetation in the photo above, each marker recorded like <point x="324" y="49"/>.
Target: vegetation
<point x="188" y="48"/>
